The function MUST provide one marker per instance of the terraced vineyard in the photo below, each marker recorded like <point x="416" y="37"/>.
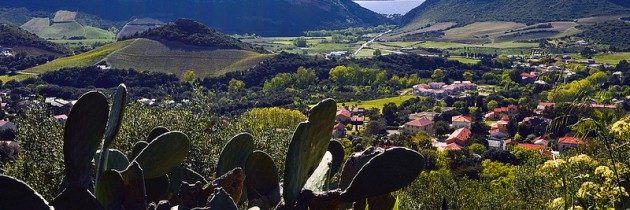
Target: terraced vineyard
<point x="176" y="58"/>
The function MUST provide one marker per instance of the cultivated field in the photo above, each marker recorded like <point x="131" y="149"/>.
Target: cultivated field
<point x="85" y="59"/>
<point x="378" y="103"/>
<point x="435" y="27"/>
<point x="17" y="77"/>
<point x="479" y="31"/>
<point x="64" y="16"/>
<point x="176" y="58"/>
<point x="64" y="30"/>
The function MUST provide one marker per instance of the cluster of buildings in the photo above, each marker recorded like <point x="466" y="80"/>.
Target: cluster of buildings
<point x="337" y="54"/>
<point x="345" y="118"/>
<point x="6" y="52"/>
<point x="441" y="90"/>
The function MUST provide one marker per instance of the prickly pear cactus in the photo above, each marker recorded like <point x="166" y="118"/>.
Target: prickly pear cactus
<point x="137" y="148"/>
<point x="180" y="174"/>
<point x="336" y="150"/>
<point x="15" y="194"/>
<point x="307" y="148"/>
<point x="162" y="154"/>
<point x="318" y="182"/>
<point x="221" y="200"/>
<point x="115" y="160"/>
<point x="83" y="133"/>
<point x="76" y="197"/>
<point x="235" y="153"/>
<point x="113" y="126"/>
<point x="387" y="172"/>
<point x="110" y="190"/>
<point x="135" y="194"/>
<point x="263" y="187"/>
<point x="157" y="131"/>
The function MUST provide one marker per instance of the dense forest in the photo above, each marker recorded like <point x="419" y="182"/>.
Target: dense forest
<point x="612" y="33"/>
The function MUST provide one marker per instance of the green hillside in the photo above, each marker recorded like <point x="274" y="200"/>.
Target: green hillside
<point x="464" y="12"/>
<point x="177" y="58"/>
<point x="85" y="59"/>
<point x="64" y="25"/>
<point x="17" y="38"/>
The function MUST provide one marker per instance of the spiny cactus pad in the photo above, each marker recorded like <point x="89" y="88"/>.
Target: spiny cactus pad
<point x="307" y="148"/>
<point x="83" y="134"/>
<point x="162" y="154"/>
<point x="115" y="160"/>
<point x="110" y="189"/>
<point x="157" y="131"/>
<point x="157" y="188"/>
<point x="15" y="194"/>
<point x="393" y="169"/>
<point x="319" y="179"/>
<point x="336" y="149"/>
<point x="180" y="174"/>
<point x="137" y="148"/>
<point x="76" y="197"/>
<point x="262" y="179"/>
<point x="135" y="195"/>
<point x="115" y="115"/>
<point x="235" y="153"/>
<point x="220" y="200"/>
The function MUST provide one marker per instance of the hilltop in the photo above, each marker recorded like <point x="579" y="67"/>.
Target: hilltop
<point x="23" y="41"/>
<point x="464" y="12"/>
<point x="193" y="33"/>
<point x="263" y="17"/>
<point x="64" y="25"/>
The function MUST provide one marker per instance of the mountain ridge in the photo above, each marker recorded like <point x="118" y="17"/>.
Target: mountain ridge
<point x="528" y="12"/>
<point x="264" y="17"/>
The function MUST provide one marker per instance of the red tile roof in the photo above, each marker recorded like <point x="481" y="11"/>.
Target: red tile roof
<point x="571" y="140"/>
<point x="63" y="116"/>
<point x="531" y="146"/>
<point x="453" y="146"/>
<point x="2" y="123"/>
<point x="509" y="141"/>
<point x="459" y="136"/>
<point x="339" y="126"/>
<point x="420" y="123"/>
<point x="357" y="119"/>
<point x="546" y="104"/>
<point x="461" y="118"/>
<point x="344" y="112"/>
<point x="527" y="75"/>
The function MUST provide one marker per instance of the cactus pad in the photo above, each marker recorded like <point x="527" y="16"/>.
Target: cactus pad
<point x="115" y="160"/>
<point x="235" y="153"/>
<point x="307" y="148"/>
<point x="220" y="200"/>
<point x="110" y="190"/>
<point x="393" y="169"/>
<point x="83" y="133"/>
<point x="262" y="180"/>
<point x="318" y="182"/>
<point x="162" y="154"/>
<point x="157" y="131"/>
<point x="336" y="150"/>
<point x="15" y="194"/>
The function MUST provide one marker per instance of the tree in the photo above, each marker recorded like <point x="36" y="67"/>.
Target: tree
<point x="377" y="52"/>
<point x="305" y="77"/>
<point x="441" y="128"/>
<point x="468" y="76"/>
<point x="189" y="76"/>
<point x="389" y="113"/>
<point x="438" y="75"/>
<point x="477" y="148"/>
<point x="492" y="105"/>
<point x="423" y="140"/>
<point x="338" y="74"/>
<point x="375" y="127"/>
<point x="300" y="42"/>
<point x="235" y="85"/>
<point x="280" y="82"/>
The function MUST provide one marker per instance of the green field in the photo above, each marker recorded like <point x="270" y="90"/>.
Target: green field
<point x="176" y="58"/>
<point x="465" y="60"/>
<point x="17" y="77"/>
<point x="85" y="59"/>
<point x="500" y="45"/>
<point x="378" y="103"/>
<point x="612" y="58"/>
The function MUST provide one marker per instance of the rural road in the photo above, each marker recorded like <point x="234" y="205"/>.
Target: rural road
<point x="370" y="42"/>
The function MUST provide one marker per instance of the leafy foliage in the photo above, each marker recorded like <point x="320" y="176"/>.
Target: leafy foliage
<point x="13" y="36"/>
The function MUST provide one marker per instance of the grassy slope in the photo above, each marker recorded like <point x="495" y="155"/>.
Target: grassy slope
<point x="85" y="59"/>
<point x="464" y="60"/>
<point x="41" y="27"/>
<point x="612" y="58"/>
<point x="171" y="57"/>
<point x="378" y="103"/>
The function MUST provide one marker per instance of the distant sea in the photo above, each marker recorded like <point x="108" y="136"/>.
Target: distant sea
<point x="391" y="6"/>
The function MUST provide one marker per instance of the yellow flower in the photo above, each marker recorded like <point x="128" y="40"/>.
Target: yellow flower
<point x="582" y="160"/>
<point x="604" y="172"/>
<point x="587" y="189"/>
<point x="556" y="203"/>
